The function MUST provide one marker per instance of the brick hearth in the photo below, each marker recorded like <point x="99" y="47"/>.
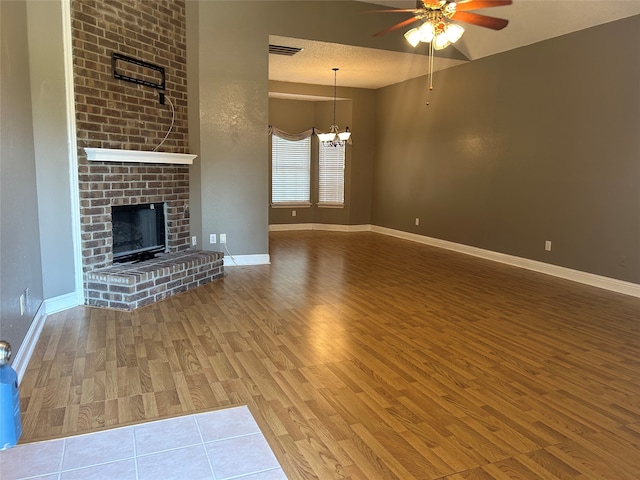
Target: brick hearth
<point x="127" y="286"/>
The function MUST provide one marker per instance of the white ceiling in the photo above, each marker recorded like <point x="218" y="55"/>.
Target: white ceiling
<point x="530" y="21"/>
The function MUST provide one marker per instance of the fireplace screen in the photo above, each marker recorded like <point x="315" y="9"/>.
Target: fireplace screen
<point x="139" y="231"/>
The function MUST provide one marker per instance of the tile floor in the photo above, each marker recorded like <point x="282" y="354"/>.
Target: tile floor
<point x="218" y="445"/>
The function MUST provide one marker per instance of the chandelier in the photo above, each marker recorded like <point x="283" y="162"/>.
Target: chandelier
<point x="334" y="137"/>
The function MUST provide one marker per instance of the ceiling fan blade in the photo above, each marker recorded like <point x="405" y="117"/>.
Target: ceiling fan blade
<point x="481" y="20"/>
<point x="478" y="4"/>
<point x="396" y="26"/>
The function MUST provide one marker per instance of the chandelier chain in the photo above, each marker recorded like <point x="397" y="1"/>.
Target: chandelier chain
<point x="335" y="93"/>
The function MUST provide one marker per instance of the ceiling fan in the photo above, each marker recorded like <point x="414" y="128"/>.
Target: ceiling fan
<point x="438" y="11"/>
<point x="437" y="29"/>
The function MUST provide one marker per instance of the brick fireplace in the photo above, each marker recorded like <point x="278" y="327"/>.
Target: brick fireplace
<point x="116" y="114"/>
<point x="106" y="184"/>
<point x="127" y="286"/>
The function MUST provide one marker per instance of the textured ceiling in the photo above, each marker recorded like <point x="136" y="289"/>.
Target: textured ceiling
<point x="361" y="67"/>
<point x="530" y="21"/>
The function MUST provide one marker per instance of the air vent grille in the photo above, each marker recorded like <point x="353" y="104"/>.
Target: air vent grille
<point x="282" y="50"/>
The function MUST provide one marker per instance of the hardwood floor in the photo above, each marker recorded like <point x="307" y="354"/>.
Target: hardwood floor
<point x="366" y="357"/>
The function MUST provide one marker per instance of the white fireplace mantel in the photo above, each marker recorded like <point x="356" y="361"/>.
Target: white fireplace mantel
<point x="139" y="156"/>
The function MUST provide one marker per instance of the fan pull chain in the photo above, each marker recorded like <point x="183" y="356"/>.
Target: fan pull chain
<point x="431" y="65"/>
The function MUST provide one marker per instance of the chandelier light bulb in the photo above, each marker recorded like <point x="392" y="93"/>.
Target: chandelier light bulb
<point x="344" y="136"/>
<point x="326" y="137"/>
<point x="453" y="32"/>
<point x="413" y="36"/>
<point x="427" y="31"/>
<point x="441" y="33"/>
<point x="441" y="41"/>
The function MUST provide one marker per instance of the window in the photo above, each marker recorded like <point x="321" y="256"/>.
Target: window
<point x="331" y="175"/>
<point x="290" y="171"/>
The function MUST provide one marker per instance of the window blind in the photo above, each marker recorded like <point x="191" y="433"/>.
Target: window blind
<point x="331" y="175"/>
<point x="290" y="170"/>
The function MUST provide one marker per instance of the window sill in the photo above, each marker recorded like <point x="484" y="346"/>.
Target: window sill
<point x="290" y="205"/>
<point x="330" y="205"/>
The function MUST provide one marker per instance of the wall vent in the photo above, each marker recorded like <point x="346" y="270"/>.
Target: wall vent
<point x="282" y="50"/>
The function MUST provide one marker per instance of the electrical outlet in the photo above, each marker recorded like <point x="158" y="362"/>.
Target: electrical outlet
<point x="194" y="241"/>
<point x="212" y="238"/>
<point x="293" y="213"/>
<point x="223" y="238"/>
<point x="547" y="245"/>
<point x="417" y="221"/>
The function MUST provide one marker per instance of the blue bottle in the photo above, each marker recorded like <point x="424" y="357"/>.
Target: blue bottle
<point x="10" y="425"/>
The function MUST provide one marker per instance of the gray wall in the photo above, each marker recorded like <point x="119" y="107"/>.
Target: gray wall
<point x="46" y="61"/>
<point x="232" y="167"/>
<point x="20" y="234"/>
<point x="232" y="121"/>
<point x="539" y="143"/>
<point x="193" y="112"/>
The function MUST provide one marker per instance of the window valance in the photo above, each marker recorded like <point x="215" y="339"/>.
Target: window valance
<point x="294" y="137"/>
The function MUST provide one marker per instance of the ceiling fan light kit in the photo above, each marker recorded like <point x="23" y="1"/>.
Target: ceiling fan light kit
<point x="437" y="29"/>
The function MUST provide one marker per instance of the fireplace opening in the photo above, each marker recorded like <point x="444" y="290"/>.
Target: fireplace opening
<point x="139" y="231"/>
